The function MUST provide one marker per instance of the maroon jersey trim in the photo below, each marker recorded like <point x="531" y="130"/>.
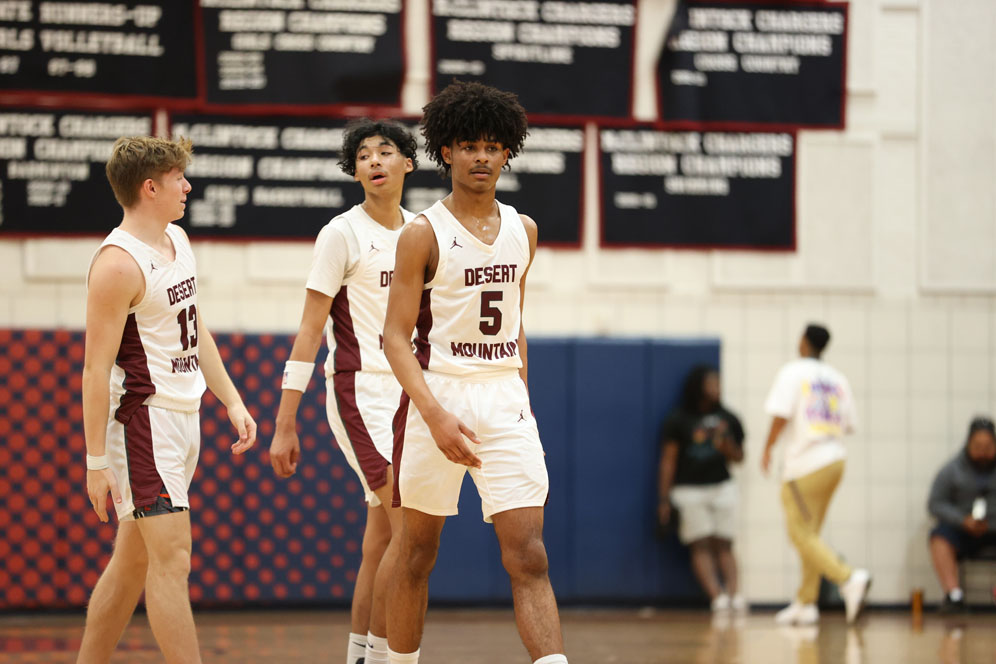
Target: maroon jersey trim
<point x="424" y="325"/>
<point x="347" y="347"/>
<point x="138" y="383"/>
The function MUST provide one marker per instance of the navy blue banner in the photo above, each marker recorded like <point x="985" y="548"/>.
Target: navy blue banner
<point x="755" y="63"/>
<point x="701" y="190"/>
<point x="124" y="48"/>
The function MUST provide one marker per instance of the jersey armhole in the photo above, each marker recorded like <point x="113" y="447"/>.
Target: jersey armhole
<point x="440" y="257"/>
<point x="145" y="282"/>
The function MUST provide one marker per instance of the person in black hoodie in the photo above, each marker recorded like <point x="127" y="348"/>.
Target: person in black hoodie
<point x="698" y="441"/>
<point x="963" y="500"/>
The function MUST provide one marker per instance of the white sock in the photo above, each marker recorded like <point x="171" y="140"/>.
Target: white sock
<point x="376" y="649"/>
<point x="956" y="595"/>
<point x="403" y="657"/>
<point x="552" y="659"/>
<point x="357" y="648"/>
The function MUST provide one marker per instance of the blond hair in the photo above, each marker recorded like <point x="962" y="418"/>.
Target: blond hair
<point x="134" y="159"/>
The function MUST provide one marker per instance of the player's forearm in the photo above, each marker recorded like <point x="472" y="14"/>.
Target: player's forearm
<point x="398" y="349"/>
<point x="215" y="375"/>
<point x="305" y="348"/>
<point x="96" y="406"/>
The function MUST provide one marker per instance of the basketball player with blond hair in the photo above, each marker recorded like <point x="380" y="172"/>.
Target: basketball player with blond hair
<point x="148" y="358"/>
<point x="459" y="282"/>
<point x="346" y="295"/>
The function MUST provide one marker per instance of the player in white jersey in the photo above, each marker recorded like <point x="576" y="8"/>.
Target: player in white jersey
<point x="148" y="357"/>
<point x="347" y="295"/>
<point x="459" y="281"/>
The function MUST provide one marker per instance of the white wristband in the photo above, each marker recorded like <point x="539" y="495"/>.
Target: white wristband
<point x="297" y="375"/>
<point x="96" y="462"/>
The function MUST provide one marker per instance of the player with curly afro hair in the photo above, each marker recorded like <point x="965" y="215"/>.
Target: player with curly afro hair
<point x="468" y="111"/>
<point x="459" y="284"/>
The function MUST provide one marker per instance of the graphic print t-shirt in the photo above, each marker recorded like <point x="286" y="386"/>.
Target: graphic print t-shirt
<point x="817" y="402"/>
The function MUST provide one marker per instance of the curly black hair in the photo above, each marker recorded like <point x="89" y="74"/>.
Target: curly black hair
<point x="361" y="129"/>
<point x="469" y="111"/>
<point x="694" y="387"/>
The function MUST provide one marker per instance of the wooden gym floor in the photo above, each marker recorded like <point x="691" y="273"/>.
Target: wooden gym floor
<point x="489" y="637"/>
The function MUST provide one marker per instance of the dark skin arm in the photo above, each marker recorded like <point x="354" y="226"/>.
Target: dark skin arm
<point x="417" y="257"/>
<point x="665" y="479"/>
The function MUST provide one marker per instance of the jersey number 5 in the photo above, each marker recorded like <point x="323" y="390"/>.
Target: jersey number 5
<point x="185" y="315"/>
<point x="490" y="313"/>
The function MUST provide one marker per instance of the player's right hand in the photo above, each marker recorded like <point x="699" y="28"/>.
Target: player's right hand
<point x="98" y="483"/>
<point x="285" y="450"/>
<point x="449" y="433"/>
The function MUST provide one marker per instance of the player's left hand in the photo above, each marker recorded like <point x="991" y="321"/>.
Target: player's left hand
<point x="240" y="418"/>
<point x="765" y="461"/>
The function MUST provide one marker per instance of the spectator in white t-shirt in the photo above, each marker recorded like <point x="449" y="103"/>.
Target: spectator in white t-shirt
<point x="812" y="408"/>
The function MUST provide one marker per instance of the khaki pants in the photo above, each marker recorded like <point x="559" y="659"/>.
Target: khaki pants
<point x="805" y="501"/>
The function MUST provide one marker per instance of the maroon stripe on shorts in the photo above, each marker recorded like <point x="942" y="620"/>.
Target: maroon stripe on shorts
<point x="424" y="325"/>
<point x="400" y="420"/>
<point x="135" y="363"/>
<point x="347" y="348"/>
<point x="142" y="474"/>
<point x="372" y="463"/>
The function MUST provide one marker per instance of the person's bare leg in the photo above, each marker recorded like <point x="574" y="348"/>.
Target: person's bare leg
<point x="376" y="536"/>
<point x="408" y="595"/>
<point x="389" y="518"/>
<point x="167" y="596"/>
<point x="945" y="563"/>
<point x="704" y="566"/>
<point x="520" y="536"/>
<point x="115" y="596"/>
<point x="727" y="564"/>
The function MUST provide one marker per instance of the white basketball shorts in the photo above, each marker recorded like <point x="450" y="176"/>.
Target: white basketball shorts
<point x="512" y="473"/>
<point x="361" y="407"/>
<point x="153" y="458"/>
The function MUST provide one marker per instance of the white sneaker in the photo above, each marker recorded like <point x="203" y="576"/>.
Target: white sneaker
<point x="798" y="614"/>
<point x="721" y="602"/>
<point x="853" y="591"/>
<point x="738" y="603"/>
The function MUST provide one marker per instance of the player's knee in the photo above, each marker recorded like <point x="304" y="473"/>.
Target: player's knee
<point x="174" y="563"/>
<point x="418" y="557"/>
<point x="528" y="560"/>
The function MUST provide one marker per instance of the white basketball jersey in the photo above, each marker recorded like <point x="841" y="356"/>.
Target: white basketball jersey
<point x="355" y="328"/>
<point x="469" y="319"/>
<point x="157" y="362"/>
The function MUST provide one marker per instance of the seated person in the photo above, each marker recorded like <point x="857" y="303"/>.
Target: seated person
<point x="963" y="499"/>
<point x="698" y="440"/>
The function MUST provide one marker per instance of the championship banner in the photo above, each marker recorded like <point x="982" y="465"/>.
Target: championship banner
<point x="52" y="177"/>
<point x="545" y="182"/>
<point x="755" y="63"/>
<point x="264" y="177"/>
<point x="128" y="48"/>
<point x="561" y="58"/>
<point x="702" y="190"/>
<point x="323" y="52"/>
